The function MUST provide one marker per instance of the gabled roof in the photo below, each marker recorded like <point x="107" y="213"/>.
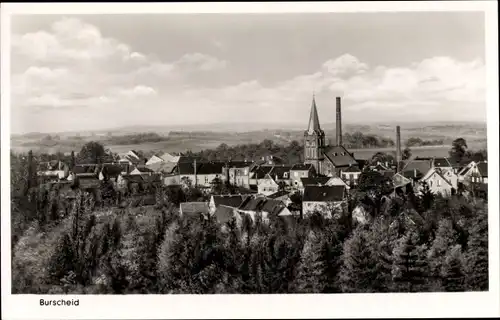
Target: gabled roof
<point x="399" y="180"/>
<point x="224" y="214"/>
<point x="143" y="169"/>
<point x="162" y="167"/>
<point x="278" y="194"/>
<point x="324" y="193"/>
<point x="261" y="171"/>
<point x="422" y="165"/>
<point x="239" y="164"/>
<point x="233" y="201"/>
<point x="280" y="172"/>
<point x="273" y="207"/>
<point x="211" y="168"/>
<point x="352" y="169"/>
<point x="194" y="208"/>
<point x="436" y="171"/>
<point x="301" y="167"/>
<point x="252" y="204"/>
<point x="339" y="156"/>
<point x="483" y="168"/>
<point x="314" y="181"/>
<point x="112" y="170"/>
<point x="313" y="118"/>
<point x="187" y="167"/>
<point x="188" y="159"/>
<point x="441" y="162"/>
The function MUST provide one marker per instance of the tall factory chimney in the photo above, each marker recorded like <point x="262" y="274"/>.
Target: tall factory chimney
<point x="398" y="147"/>
<point x="338" y="125"/>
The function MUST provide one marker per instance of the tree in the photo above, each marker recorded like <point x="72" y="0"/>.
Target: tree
<point x="476" y="256"/>
<point x="62" y="260"/>
<point x="358" y="273"/>
<point x="446" y="238"/>
<point x="452" y="270"/>
<point x="383" y="158"/>
<point x="91" y="152"/>
<point x="410" y="270"/>
<point x="458" y="151"/>
<point x="406" y="153"/>
<point x="311" y="267"/>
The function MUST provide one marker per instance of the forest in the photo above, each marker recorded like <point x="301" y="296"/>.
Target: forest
<point x="411" y="243"/>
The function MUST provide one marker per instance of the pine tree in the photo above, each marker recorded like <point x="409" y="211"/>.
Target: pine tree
<point x="358" y="272"/>
<point x="62" y="260"/>
<point x="410" y="269"/>
<point x="446" y="238"/>
<point x="310" y="277"/>
<point x="476" y="256"/>
<point x="452" y="270"/>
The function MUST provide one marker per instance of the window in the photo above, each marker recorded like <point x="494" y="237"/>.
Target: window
<point x="430" y="183"/>
<point x="285" y="175"/>
<point x="296" y="174"/>
<point x="438" y="183"/>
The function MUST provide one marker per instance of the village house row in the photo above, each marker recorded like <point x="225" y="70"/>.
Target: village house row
<point x="323" y="179"/>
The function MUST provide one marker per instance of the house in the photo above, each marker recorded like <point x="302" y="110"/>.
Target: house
<point x="415" y="169"/>
<point x="111" y="171"/>
<point x="273" y="209"/>
<point x="442" y="163"/>
<point x="267" y="208"/>
<point x="233" y="201"/>
<point x="141" y="170"/>
<point x="162" y="157"/>
<point x="208" y="171"/>
<point x="162" y="167"/>
<point x="350" y="175"/>
<point x="323" y="181"/>
<point x="474" y="172"/>
<point x="194" y="209"/>
<point x="54" y="170"/>
<point x="299" y="171"/>
<point x="281" y="173"/>
<point x="267" y="185"/>
<point x="323" y="199"/>
<point x="132" y="157"/>
<point x="171" y="179"/>
<point x="131" y="183"/>
<point x="238" y="173"/>
<point x="441" y="182"/>
<point x="283" y="196"/>
<point x="187" y="171"/>
<point x="257" y="173"/>
<point x="225" y="214"/>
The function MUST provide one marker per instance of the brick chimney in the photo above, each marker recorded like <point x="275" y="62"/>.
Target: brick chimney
<point x="338" y="124"/>
<point x="398" y="147"/>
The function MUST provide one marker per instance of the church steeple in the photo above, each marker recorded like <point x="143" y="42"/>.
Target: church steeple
<point x="313" y="117"/>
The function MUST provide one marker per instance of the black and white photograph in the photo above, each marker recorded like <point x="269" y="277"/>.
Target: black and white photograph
<point x="234" y="154"/>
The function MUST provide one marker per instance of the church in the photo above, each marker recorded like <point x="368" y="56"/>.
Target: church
<point x="328" y="160"/>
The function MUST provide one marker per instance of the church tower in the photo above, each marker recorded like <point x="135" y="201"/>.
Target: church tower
<point x="314" y="140"/>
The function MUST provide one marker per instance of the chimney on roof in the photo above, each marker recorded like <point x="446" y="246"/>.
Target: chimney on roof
<point x="338" y="125"/>
<point x="398" y="147"/>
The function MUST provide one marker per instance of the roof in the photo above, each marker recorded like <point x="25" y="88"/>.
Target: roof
<point x="352" y="169"/>
<point x="133" y="178"/>
<point x="233" y="201"/>
<point x="313" y="118"/>
<point x="302" y="167"/>
<point x="314" y="181"/>
<point x="339" y="156"/>
<point x="261" y="171"/>
<point x="280" y="172"/>
<point x="483" y="168"/>
<point x="163" y="167"/>
<point x="194" y="207"/>
<point x="239" y="164"/>
<point x="422" y="165"/>
<point x="278" y="194"/>
<point x="112" y="170"/>
<point x="252" y="204"/>
<point x="78" y="169"/>
<point x="143" y="169"/>
<point x="188" y="159"/>
<point x="187" y="167"/>
<point x="324" y="193"/>
<point x="441" y="162"/>
<point x="273" y="207"/>
<point x="224" y="214"/>
<point x="211" y="168"/>
<point x="399" y="180"/>
<point x="438" y="172"/>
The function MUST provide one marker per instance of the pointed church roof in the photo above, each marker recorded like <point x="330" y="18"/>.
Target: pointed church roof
<point x="313" y="118"/>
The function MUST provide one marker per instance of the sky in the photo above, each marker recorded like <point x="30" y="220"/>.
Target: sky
<point x="94" y="72"/>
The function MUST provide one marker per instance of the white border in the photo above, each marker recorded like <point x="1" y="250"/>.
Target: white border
<point x="256" y="306"/>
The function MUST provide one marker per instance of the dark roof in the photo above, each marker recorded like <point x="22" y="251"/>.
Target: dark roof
<point x="77" y="169"/>
<point x="313" y="118"/>
<point x="144" y="169"/>
<point x="280" y="172"/>
<point x="278" y="194"/>
<point x="324" y="193"/>
<point x="314" y="181"/>
<point x="233" y="201"/>
<point x="253" y="204"/>
<point x="352" y="169"/>
<point x="422" y="165"/>
<point x="187" y="167"/>
<point x="301" y="167"/>
<point x="273" y="207"/>
<point x="261" y="171"/>
<point x="112" y="170"/>
<point x="339" y="156"/>
<point x="211" y="168"/>
<point x="133" y="178"/>
<point x="224" y="214"/>
<point x="188" y="159"/>
<point x="441" y="162"/>
<point x="239" y="164"/>
<point x="483" y="168"/>
<point x="194" y="207"/>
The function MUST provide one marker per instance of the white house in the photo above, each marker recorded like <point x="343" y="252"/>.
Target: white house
<point x="162" y="157"/>
<point x="475" y="172"/>
<point x="299" y="171"/>
<point x="267" y="185"/>
<point x="323" y="199"/>
<point x="441" y="182"/>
